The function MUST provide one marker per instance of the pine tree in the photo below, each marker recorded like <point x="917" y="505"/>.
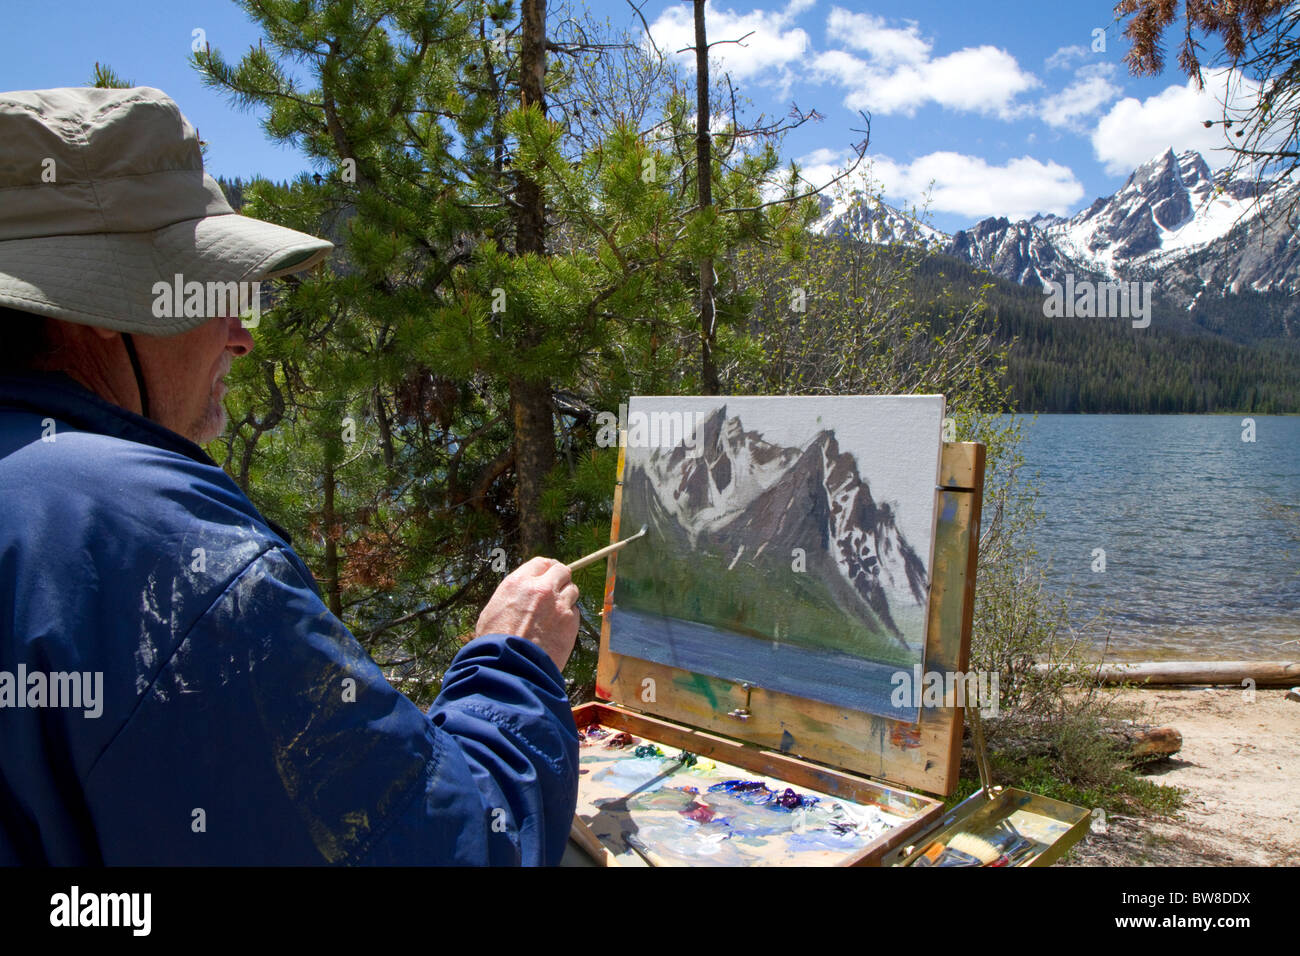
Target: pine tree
<point x="422" y="412"/>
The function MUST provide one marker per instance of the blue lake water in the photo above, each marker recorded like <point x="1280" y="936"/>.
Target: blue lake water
<point x="1198" y="563"/>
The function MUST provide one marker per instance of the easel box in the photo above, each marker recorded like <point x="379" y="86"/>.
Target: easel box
<point x="1054" y="825"/>
<point x="857" y="756"/>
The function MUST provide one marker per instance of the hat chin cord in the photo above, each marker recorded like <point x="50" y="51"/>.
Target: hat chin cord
<point x="139" y="375"/>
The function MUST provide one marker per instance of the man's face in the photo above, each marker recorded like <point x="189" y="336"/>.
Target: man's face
<point x="184" y="375"/>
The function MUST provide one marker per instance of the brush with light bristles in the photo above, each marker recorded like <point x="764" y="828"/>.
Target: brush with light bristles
<point x="1004" y="846"/>
<point x="608" y="549"/>
<point x="964" y="849"/>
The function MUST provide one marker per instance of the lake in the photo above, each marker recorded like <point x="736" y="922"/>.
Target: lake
<point x="1198" y="561"/>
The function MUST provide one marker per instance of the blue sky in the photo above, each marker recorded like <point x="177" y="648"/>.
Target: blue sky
<point x="1007" y="108"/>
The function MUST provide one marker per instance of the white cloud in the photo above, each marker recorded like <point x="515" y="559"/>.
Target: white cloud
<point x="862" y="31"/>
<point x="961" y="184"/>
<point x="970" y="186"/>
<point x="823" y="159"/>
<point x="895" y="73"/>
<point x="1133" y="131"/>
<point x="982" y="79"/>
<point x="775" y="43"/>
<point x="1091" y="90"/>
<point x="899" y="73"/>
<point x="1064" y="56"/>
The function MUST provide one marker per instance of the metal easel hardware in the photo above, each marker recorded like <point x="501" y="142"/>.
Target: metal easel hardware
<point x="743" y="713"/>
<point x="981" y="752"/>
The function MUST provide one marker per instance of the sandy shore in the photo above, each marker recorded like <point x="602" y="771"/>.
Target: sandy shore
<point x="1240" y="768"/>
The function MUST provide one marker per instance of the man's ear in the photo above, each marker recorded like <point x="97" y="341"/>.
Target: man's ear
<point x="104" y="333"/>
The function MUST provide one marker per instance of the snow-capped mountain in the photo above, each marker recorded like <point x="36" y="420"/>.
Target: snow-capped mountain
<point x="1167" y="208"/>
<point x="858" y="214"/>
<point x="1173" y="220"/>
<point x="749" y="500"/>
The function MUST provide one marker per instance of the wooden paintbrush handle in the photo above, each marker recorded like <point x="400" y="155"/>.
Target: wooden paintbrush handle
<point x="597" y="555"/>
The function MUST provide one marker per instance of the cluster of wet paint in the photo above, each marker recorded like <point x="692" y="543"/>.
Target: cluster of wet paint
<point x="757" y="793"/>
<point x="619" y="741"/>
<point x="613" y="741"/>
<point x="753" y="793"/>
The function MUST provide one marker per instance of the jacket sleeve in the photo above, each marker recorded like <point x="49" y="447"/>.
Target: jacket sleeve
<point x="269" y="736"/>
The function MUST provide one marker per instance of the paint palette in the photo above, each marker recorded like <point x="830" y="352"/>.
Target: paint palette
<point x="651" y="804"/>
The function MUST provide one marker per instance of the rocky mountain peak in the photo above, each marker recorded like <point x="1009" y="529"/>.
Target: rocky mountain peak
<point x="1199" y="230"/>
<point x="1017" y="251"/>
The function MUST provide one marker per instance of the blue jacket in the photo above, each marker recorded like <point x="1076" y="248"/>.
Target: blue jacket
<point x="238" y="720"/>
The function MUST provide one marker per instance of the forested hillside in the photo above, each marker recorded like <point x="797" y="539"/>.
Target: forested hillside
<point x="1231" y="360"/>
<point x="1237" y="358"/>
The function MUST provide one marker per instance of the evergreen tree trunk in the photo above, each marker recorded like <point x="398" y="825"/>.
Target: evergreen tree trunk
<point x="333" y="595"/>
<point x="704" y="197"/>
<point x="530" y="401"/>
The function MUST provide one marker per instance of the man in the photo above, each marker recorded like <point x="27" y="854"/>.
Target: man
<point x="172" y="688"/>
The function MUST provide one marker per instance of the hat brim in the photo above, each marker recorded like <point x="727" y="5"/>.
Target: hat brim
<point x="108" y="279"/>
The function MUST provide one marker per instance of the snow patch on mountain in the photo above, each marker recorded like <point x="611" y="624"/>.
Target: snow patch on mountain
<point x="856" y="213"/>
<point x="1167" y="207"/>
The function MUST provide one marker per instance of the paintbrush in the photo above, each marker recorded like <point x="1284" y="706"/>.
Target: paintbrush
<point x="608" y="549"/>
<point x="640" y="848"/>
<point x="1012" y="846"/>
<point x="964" y="849"/>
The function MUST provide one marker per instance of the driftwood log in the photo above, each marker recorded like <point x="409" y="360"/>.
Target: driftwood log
<point x="1152" y="673"/>
<point x="1145" y="744"/>
<point x="1136" y="743"/>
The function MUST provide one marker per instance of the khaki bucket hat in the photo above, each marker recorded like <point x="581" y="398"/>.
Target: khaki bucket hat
<point x="103" y="195"/>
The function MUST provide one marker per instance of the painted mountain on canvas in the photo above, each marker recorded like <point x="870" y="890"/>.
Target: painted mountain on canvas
<point x="777" y="542"/>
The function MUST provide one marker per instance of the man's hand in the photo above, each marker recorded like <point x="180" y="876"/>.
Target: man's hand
<point x="538" y="602"/>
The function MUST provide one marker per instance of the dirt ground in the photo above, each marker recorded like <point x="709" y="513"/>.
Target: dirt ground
<point x="1240" y="769"/>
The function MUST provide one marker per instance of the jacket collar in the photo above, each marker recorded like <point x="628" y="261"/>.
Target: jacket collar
<point x="60" y="396"/>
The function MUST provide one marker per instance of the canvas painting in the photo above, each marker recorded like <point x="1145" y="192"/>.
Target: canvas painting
<point x="789" y="541"/>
